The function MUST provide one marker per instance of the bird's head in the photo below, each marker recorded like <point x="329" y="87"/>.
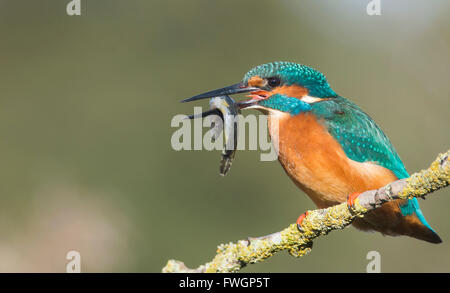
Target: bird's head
<point x="278" y="86"/>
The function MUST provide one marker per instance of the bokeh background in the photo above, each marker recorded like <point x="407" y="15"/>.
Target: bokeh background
<point x="86" y="103"/>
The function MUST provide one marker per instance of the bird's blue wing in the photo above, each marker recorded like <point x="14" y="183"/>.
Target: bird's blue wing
<point x="360" y="137"/>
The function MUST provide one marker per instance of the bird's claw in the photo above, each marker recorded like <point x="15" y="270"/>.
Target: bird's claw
<point x="351" y="200"/>
<point x="300" y="220"/>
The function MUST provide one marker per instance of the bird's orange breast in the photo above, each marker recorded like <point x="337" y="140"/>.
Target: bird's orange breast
<point x="316" y="162"/>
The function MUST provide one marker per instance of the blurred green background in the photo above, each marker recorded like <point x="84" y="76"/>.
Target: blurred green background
<point x="85" y="109"/>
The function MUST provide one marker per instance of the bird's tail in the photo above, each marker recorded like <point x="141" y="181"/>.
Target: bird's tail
<point x="399" y="217"/>
<point x="415" y="223"/>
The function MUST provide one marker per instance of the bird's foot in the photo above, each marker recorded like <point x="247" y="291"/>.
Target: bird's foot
<point x="351" y="200"/>
<point x="300" y="220"/>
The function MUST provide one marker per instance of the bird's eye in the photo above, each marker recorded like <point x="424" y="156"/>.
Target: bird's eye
<point x="274" y="81"/>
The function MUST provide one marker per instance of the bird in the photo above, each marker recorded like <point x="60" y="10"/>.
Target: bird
<point x="328" y="146"/>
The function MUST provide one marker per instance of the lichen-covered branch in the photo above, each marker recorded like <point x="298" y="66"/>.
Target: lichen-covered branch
<point x="232" y="257"/>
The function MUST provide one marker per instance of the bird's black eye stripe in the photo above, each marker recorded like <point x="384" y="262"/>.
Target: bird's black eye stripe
<point x="274" y="81"/>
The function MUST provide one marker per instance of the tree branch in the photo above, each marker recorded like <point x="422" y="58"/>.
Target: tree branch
<point x="232" y="257"/>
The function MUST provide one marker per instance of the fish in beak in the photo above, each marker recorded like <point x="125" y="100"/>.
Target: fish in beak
<point x="225" y="113"/>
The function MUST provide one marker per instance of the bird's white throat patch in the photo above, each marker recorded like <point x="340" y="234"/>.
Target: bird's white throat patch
<point x="310" y="99"/>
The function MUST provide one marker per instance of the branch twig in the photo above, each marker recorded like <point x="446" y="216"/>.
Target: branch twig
<point x="232" y="257"/>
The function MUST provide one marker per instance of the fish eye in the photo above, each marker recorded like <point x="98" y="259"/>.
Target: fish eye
<point x="274" y="81"/>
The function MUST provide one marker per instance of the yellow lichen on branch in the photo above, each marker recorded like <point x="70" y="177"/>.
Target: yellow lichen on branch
<point x="232" y="257"/>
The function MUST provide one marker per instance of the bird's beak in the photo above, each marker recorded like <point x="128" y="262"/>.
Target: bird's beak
<point x="229" y="90"/>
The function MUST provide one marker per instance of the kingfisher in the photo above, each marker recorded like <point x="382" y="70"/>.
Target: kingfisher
<point x="330" y="148"/>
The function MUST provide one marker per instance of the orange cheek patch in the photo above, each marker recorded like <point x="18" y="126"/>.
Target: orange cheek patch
<point x="256" y="81"/>
<point x="294" y="91"/>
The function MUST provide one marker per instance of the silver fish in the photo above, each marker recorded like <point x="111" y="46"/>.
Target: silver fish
<point x="226" y="109"/>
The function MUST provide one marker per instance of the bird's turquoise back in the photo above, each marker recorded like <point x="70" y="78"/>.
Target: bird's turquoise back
<point x="363" y="141"/>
